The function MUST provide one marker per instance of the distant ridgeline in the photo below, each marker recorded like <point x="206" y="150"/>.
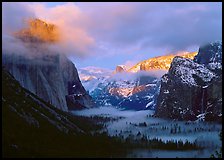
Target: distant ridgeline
<point x="160" y="62"/>
<point x="192" y="89"/>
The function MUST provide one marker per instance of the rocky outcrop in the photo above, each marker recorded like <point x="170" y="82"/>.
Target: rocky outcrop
<point x="210" y="53"/>
<point x="38" y="31"/>
<point x="120" y="69"/>
<point x="53" y="78"/>
<point x="190" y="89"/>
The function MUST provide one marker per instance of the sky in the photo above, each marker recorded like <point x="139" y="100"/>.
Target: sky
<point x="107" y="34"/>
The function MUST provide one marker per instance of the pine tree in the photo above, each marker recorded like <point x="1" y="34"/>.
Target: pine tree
<point x="171" y="131"/>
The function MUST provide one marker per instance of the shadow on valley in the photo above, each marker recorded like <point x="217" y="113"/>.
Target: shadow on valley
<point x="34" y="128"/>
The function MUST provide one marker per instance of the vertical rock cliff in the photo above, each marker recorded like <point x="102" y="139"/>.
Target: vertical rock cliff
<point x="53" y="78"/>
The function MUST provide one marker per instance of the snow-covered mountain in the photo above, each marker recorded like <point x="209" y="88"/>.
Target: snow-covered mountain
<point x="95" y="72"/>
<point x="193" y="88"/>
<point x="92" y="76"/>
<point x="125" y="90"/>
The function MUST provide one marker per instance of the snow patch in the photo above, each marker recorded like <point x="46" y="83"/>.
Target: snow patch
<point x="166" y="91"/>
<point x="149" y="104"/>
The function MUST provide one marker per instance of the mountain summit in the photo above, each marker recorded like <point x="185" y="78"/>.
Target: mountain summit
<point x="121" y="68"/>
<point x="38" y="31"/>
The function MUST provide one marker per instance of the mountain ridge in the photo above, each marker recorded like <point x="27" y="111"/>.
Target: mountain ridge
<point x="159" y="62"/>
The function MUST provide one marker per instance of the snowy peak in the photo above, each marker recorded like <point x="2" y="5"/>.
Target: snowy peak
<point x="91" y="72"/>
<point x="92" y="76"/>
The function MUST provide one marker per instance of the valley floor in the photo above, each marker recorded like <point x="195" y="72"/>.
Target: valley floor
<point x="142" y="124"/>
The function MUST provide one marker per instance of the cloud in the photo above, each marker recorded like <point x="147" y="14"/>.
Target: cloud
<point x="67" y="17"/>
<point x="13" y="45"/>
<point x="13" y="16"/>
<point x="130" y="63"/>
<point x="113" y="29"/>
<point x="175" y="26"/>
<point x="129" y="76"/>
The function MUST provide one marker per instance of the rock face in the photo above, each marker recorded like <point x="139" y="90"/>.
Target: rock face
<point x="76" y="95"/>
<point x="160" y="62"/>
<point x="120" y="69"/>
<point x="209" y="53"/>
<point x="190" y="89"/>
<point x="39" y="31"/>
<point x="53" y="78"/>
<point x="44" y="72"/>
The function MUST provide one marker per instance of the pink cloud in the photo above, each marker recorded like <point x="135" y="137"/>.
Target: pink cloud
<point x="75" y="39"/>
<point x="69" y="18"/>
